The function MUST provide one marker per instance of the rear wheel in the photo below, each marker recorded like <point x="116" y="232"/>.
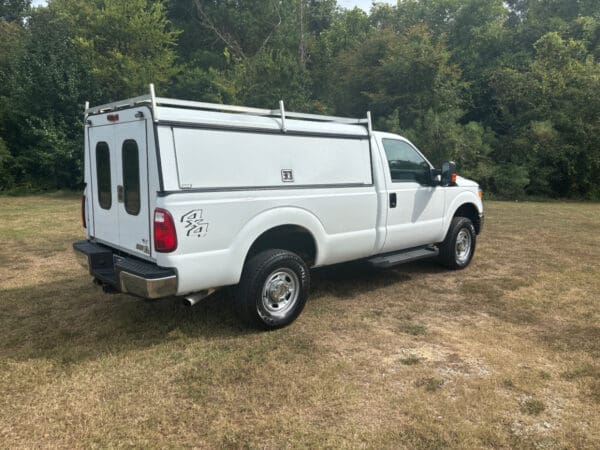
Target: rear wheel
<point x="273" y="289"/>
<point x="458" y="248"/>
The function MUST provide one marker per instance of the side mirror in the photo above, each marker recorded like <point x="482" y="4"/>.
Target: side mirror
<point x="448" y="174"/>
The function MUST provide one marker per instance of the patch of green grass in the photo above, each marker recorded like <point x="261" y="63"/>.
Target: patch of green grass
<point x="508" y="383"/>
<point x="410" y="360"/>
<point x="587" y="370"/>
<point x="430" y="384"/>
<point x="588" y="376"/>
<point x="413" y="328"/>
<point x="533" y="407"/>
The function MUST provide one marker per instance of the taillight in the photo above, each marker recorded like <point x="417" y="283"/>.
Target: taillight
<point x="165" y="236"/>
<point x="83" y="211"/>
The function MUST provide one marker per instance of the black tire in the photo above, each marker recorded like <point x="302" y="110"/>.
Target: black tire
<point x="273" y="272"/>
<point x="450" y="256"/>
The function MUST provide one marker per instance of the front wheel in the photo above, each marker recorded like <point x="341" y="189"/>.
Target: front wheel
<point x="273" y="289"/>
<point x="458" y="248"/>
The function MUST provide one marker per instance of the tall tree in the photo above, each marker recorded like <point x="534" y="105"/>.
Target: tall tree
<point x="553" y="114"/>
<point x="77" y="50"/>
<point x="125" y="45"/>
<point x="14" y="10"/>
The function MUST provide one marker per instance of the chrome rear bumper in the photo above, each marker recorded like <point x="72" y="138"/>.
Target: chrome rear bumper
<point x="148" y="288"/>
<point x="125" y="274"/>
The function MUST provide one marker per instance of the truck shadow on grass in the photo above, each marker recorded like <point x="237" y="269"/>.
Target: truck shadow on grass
<point x="346" y="281"/>
<point x="71" y="320"/>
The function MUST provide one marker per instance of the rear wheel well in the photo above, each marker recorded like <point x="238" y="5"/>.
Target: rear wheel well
<point x="294" y="238"/>
<point x="470" y="211"/>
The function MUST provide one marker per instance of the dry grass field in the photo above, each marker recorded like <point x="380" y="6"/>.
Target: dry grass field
<point x="505" y="354"/>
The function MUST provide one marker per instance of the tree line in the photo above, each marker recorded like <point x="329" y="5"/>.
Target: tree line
<point x="509" y="89"/>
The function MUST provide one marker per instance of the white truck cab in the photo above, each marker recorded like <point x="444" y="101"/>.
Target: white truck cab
<point x="182" y="198"/>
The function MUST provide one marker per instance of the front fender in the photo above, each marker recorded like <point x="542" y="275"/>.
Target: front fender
<point x="465" y="197"/>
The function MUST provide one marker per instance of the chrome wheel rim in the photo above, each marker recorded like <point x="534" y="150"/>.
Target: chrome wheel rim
<point x="464" y="243"/>
<point x="280" y="293"/>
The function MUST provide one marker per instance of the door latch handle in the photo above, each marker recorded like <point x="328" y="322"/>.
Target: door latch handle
<point x="393" y="200"/>
<point x="120" y="194"/>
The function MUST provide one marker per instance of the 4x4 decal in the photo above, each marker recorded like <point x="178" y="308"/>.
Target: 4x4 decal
<point x="195" y="225"/>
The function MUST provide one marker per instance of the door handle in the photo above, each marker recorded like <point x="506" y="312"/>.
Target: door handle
<point x="393" y="200"/>
<point x="120" y="194"/>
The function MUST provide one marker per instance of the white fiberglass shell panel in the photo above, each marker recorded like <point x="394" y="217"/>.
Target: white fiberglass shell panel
<point x="238" y="159"/>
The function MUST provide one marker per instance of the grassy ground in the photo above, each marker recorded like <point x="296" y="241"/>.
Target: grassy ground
<point x="503" y="354"/>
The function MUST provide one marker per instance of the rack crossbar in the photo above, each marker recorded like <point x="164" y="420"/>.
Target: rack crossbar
<point x="162" y="101"/>
<point x="116" y="105"/>
<point x="320" y="118"/>
<point x="171" y="102"/>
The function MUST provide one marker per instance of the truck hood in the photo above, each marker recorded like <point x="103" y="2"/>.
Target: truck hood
<point x="465" y="182"/>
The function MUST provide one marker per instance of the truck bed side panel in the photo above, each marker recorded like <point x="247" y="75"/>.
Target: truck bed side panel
<point x="216" y="229"/>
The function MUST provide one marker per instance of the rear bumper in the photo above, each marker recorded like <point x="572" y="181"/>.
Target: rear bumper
<point x="125" y="274"/>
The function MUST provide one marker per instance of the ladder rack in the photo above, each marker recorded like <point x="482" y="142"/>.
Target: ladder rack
<point x="155" y="102"/>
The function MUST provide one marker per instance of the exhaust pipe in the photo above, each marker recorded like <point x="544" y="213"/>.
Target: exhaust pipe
<point x="106" y="288"/>
<point x="191" y="300"/>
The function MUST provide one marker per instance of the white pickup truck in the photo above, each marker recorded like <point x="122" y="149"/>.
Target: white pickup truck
<point x="185" y="197"/>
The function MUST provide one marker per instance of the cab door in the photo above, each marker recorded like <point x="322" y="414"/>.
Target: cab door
<point x="415" y="207"/>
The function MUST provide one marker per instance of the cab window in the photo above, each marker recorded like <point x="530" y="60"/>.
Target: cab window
<point x="405" y="163"/>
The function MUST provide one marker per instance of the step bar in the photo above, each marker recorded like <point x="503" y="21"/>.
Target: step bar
<point x="393" y="259"/>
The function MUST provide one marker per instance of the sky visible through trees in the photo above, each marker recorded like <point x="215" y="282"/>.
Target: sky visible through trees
<point x="507" y="89"/>
<point x="365" y="5"/>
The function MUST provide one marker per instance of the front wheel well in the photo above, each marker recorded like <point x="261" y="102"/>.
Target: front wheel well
<point x="293" y="238"/>
<point x="470" y="211"/>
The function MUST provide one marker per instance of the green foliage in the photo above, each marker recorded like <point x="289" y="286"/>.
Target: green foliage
<point x="271" y="76"/>
<point x="40" y="112"/>
<point x="553" y="111"/>
<point x="199" y="84"/>
<point x="407" y="79"/>
<point x="390" y="69"/>
<point x="507" y="89"/>
<point x="123" y="45"/>
<point x="70" y="52"/>
<point x="12" y="38"/>
<point x="13" y="10"/>
<point x="6" y="159"/>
